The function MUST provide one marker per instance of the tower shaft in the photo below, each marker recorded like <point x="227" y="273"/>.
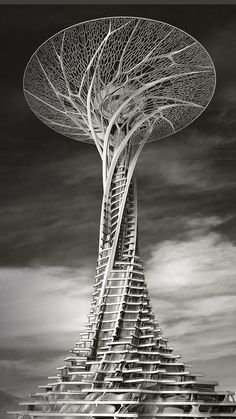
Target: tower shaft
<point x="119" y="82"/>
<point x="122" y="366"/>
<point x="117" y="258"/>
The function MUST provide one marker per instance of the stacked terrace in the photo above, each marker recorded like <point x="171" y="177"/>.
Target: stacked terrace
<point x="117" y="83"/>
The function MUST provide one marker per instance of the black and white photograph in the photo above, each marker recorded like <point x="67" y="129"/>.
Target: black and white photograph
<point x="117" y="215"/>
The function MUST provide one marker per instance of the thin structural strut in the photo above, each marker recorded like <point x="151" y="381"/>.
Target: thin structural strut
<point x="119" y="82"/>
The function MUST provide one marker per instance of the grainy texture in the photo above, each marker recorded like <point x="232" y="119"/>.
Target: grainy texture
<point x="119" y="82"/>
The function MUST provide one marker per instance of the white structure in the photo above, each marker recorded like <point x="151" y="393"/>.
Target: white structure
<point x="119" y="82"/>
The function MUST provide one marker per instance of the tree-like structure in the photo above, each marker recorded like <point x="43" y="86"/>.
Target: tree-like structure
<point x="119" y="82"/>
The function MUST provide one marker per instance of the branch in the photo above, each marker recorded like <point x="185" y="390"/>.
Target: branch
<point x="97" y="51"/>
<point x="134" y="95"/>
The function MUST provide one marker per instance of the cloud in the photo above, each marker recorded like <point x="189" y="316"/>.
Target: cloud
<point x="185" y="178"/>
<point x="54" y="205"/>
<point x="42" y="310"/>
<point x="49" y="217"/>
<point x="193" y="292"/>
<point x="21" y="377"/>
<point x="38" y="300"/>
<point x="189" y="160"/>
<point x="192" y="285"/>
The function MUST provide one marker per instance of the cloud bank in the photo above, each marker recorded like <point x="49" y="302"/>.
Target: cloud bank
<point x="193" y="290"/>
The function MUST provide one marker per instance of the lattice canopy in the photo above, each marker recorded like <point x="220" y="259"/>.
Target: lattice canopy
<point x="119" y="82"/>
<point x="119" y="73"/>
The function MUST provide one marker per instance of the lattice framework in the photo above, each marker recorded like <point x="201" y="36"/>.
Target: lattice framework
<point x="118" y="83"/>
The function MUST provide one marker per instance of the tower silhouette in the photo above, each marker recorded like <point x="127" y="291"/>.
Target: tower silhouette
<point x="119" y="82"/>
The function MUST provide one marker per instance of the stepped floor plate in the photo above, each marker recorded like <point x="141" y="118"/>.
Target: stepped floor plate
<point x="119" y="82"/>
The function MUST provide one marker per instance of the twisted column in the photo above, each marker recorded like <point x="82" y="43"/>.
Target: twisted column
<point x="117" y="83"/>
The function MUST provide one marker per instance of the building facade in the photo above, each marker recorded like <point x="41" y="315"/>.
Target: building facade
<point x="117" y="83"/>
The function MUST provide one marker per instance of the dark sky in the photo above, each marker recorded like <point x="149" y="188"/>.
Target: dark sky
<point x="50" y="204"/>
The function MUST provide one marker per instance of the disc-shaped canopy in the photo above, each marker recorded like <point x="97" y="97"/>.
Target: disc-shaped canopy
<point x="124" y="73"/>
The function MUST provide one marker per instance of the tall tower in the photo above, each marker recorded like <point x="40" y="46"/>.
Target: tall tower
<point x="119" y="82"/>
